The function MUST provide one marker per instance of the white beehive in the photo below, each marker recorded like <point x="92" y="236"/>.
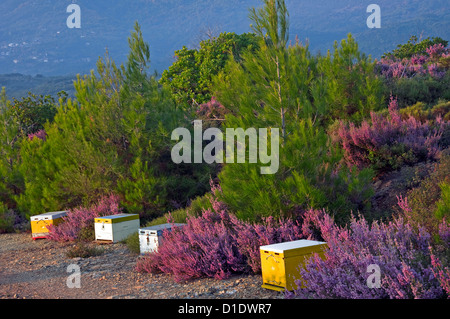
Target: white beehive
<point x="150" y="238"/>
<point x="116" y="227"/>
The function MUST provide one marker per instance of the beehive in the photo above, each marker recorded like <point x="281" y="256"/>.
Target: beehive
<point x="150" y="238"/>
<point x="115" y="228"/>
<point x="281" y="263"/>
<point x="40" y="222"/>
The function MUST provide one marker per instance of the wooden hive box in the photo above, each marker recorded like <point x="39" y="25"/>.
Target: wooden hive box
<point x="115" y="228"/>
<point x="281" y="263"/>
<point x="40" y="222"/>
<point x="150" y="238"/>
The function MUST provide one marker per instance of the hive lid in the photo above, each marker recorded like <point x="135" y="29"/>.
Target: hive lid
<point x="161" y="226"/>
<point x="116" y="218"/>
<point x="157" y="229"/>
<point x="300" y="245"/>
<point x="49" y="215"/>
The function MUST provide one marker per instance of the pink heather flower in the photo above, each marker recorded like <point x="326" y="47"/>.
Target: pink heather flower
<point x="390" y="137"/>
<point x="41" y="134"/>
<point x="435" y="51"/>
<point x="216" y="244"/>
<point x="407" y="269"/>
<point x="82" y="217"/>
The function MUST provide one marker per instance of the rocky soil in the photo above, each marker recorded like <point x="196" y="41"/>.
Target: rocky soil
<point x="39" y="270"/>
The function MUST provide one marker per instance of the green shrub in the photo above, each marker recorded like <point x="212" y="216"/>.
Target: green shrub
<point x="413" y="47"/>
<point x="195" y="208"/>
<point x="83" y="250"/>
<point x="442" y="108"/>
<point x="132" y="243"/>
<point x="6" y="219"/>
<point x="425" y="89"/>
<point x="189" y="77"/>
<point x="429" y="201"/>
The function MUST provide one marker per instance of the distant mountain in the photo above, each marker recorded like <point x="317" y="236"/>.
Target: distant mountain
<point x="34" y="37"/>
<point x="18" y="85"/>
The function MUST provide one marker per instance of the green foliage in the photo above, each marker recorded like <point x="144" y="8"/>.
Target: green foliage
<point x="352" y="90"/>
<point x="115" y="137"/>
<point x="10" y="178"/>
<point x="189" y="77"/>
<point x="32" y="112"/>
<point x="412" y="47"/>
<point x="425" y="89"/>
<point x="421" y="112"/>
<point x="6" y="219"/>
<point x="429" y="201"/>
<point x="133" y="243"/>
<point x="443" y="205"/>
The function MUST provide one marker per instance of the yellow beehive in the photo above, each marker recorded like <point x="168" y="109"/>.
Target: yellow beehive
<point x="281" y="263"/>
<point x="40" y="222"/>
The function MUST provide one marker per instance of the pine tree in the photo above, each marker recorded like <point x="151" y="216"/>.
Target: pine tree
<point x="9" y="138"/>
<point x="352" y="88"/>
<point x="281" y="86"/>
<point x="113" y="138"/>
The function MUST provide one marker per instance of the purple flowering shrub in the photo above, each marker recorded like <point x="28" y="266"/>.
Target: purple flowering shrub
<point x="41" y="134"/>
<point x="79" y="222"/>
<point x="216" y="244"/>
<point x="440" y="264"/>
<point x="430" y="63"/>
<point x="408" y="266"/>
<point x="212" y="113"/>
<point x="388" y="142"/>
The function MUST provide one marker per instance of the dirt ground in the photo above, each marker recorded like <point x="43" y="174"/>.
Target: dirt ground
<point x="39" y="270"/>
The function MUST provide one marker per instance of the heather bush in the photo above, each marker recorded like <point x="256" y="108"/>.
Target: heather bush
<point x="421" y="63"/>
<point x="204" y="247"/>
<point x="388" y="142"/>
<point x="216" y="244"/>
<point x="39" y="134"/>
<point x="408" y="267"/>
<point x="212" y="113"/>
<point x="421" y="76"/>
<point x="79" y="222"/>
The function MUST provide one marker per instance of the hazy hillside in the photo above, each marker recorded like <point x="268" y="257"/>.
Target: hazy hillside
<point x="34" y="38"/>
<point x="19" y="85"/>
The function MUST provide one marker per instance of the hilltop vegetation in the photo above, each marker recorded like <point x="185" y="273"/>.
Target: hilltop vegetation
<point x="363" y="157"/>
